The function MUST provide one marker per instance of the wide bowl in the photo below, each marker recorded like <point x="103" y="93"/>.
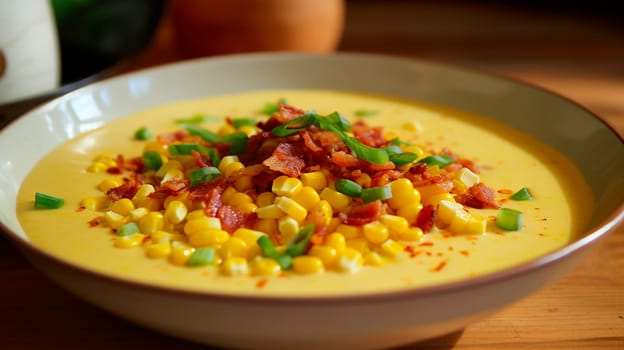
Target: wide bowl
<point x="328" y="322"/>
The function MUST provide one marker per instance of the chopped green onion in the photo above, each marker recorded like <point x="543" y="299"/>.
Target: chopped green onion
<point x="46" y="201"/>
<point x="365" y="113"/>
<point x="128" y="229"/>
<point x="294" y="126"/>
<point x="403" y="158"/>
<point x="393" y="149"/>
<point x="197" y="119"/>
<point x="201" y="175"/>
<point x="142" y="134"/>
<point x="268" y="250"/>
<point x="152" y="160"/>
<point x="238" y="122"/>
<point x="272" y="107"/>
<point x="214" y="157"/>
<point x="182" y="149"/>
<point x="522" y="195"/>
<point x="202" y="256"/>
<point x="340" y="121"/>
<point x="238" y="140"/>
<point x="438" y="160"/>
<point x="204" y="134"/>
<point x="367" y="153"/>
<point x="299" y="244"/>
<point x="374" y="193"/>
<point x="348" y="187"/>
<point x="509" y="219"/>
<point x="397" y="142"/>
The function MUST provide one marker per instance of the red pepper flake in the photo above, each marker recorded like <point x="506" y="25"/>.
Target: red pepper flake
<point x="428" y="253"/>
<point x="95" y="221"/>
<point x="450" y="248"/>
<point x="505" y="191"/>
<point x="464" y="252"/>
<point x="412" y="251"/>
<point x="261" y="283"/>
<point x="426" y="244"/>
<point x="79" y="209"/>
<point x="439" y="266"/>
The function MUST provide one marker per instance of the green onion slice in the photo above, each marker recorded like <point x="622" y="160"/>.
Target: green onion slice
<point x="438" y="160"/>
<point x="340" y="121"/>
<point x="403" y="158"/>
<point x="152" y="160"/>
<point x="46" y="201"/>
<point x="238" y="140"/>
<point x="268" y="250"/>
<point x="348" y="187"/>
<point x="376" y="193"/>
<point x="272" y="107"/>
<point x="397" y="142"/>
<point x="197" y="119"/>
<point x="294" y="126"/>
<point x="204" y="134"/>
<point x="142" y="134"/>
<point x="522" y="195"/>
<point x="238" y="122"/>
<point x="201" y="175"/>
<point x="299" y="244"/>
<point x="182" y="149"/>
<point x="509" y="219"/>
<point x="365" y="113"/>
<point x="128" y="229"/>
<point x="393" y="149"/>
<point x="202" y="256"/>
<point x="367" y="153"/>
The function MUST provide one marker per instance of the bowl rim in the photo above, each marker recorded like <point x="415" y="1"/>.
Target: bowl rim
<point x="592" y="235"/>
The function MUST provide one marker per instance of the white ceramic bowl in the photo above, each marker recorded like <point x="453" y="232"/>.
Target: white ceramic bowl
<point x="363" y="321"/>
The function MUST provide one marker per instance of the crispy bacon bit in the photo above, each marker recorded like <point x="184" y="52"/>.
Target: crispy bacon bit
<point x="479" y="196"/>
<point x="287" y="158"/>
<point x="95" y="221"/>
<point x="209" y="193"/>
<point x="114" y="170"/>
<point x="125" y="190"/>
<point x="80" y="208"/>
<point x="287" y="112"/>
<point x="363" y="214"/>
<point x="232" y="218"/>
<point x="369" y="136"/>
<point x="201" y="161"/>
<point x="345" y="160"/>
<point x="426" y="217"/>
<point x="309" y="143"/>
<point x="174" y="187"/>
<point x="171" y="137"/>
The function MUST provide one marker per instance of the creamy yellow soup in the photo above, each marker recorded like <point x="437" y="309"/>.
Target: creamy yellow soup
<point x="508" y="159"/>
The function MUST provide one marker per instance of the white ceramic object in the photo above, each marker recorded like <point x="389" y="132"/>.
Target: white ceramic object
<point x="346" y="322"/>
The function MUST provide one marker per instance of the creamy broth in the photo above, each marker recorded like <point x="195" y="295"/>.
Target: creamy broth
<point x="509" y="160"/>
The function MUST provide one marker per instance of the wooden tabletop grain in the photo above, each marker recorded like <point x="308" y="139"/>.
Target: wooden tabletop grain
<point x="583" y="310"/>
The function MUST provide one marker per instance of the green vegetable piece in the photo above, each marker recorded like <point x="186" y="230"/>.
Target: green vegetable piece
<point x="197" y="119"/>
<point x="438" y="160"/>
<point x="509" y="219"/>
<point x="202" y="256"/>
<point x="367" y="153"/>
<point x="374" y="193"/>
<point x="272" y="107"/>
<point x="204" y="134"/>
<point x="268" y="250"/>
<point x="214" y="157"/>
<point x="46" y="201"/>
<point x="142" y="134"/>
<point x="294" y="126"/>
<point x="238" y="122"/>
<point x="397" y="142"/>
<point x="340" y="121"/>
<point x="128" y="229"/>
<point x="300" y="242"/>
<point x="201" y="175"/>
<point x="522" y="195"/>
<point x="393" y="149"/>
<point x="152" y="160"/>
<point x="348" y="187"/>
<point x="403" y="158"/>
<point x="238" y="141"/>
<point x="365" y="113"/>
<point x="182" y="149"/>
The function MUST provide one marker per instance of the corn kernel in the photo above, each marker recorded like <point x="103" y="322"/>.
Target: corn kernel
<point x="155" y="146"/>
<point x="410" y="211"/>
<point x="251" y="238"/>
<point x="364" y="180"/>
<point x="316" y="179"/>
<point x="180" y="253"/>
<point x="414" y="149"/>
<point x="375" y="232"/>
<point x="288" y="228"/>
<point x="232" y="168"/>
<point x="122" y="207"/>
<point x="435" y="199"/>
<point x="459" y="222"/>
<point x="228" y="193"/>
<point x="265" y="198"/>
<point x="225" y="130"/>
<point x="94" y="203"/>
<point x="109" y="184"/>
<point x="337" y="200"/>
<point x="198" y="214"/>
<point x="235" y="266"/>
<point x="176" y="212"/>
<point x="208" y="238"/>
<point x="412" y="234"/>
<point x="172" y="164"/>
<point x="194" y="226"/>
<point x="291" y="208"/>
<point x="143" y="192"/>
<point x="336" y="240"/>
<point x="326" y="254"/>
<point x="138" y="213"/>
<point x="268" y="226"/>
<point x="97" y="167"/>
<point x="131" y="241"/>
<point x="114" y="220"/>
<point x="233" y="247"/>
<point x="373" y="259"/>
<point x="447" y="210"/>
<point x="161" y="237"/>
<point x="326" y="210"/>
<point x="307" y="197"/>
<point x="265" y="267"/>
<point x="247" y="129"/>
<point x="476" y="225"/>
<point x="359" y="244"/>
<point x="414" y="126"/>
<point x="247" y="208"/>
<point x="226" y="161"/>
<point x="158" y="250"/>
<point x="104" y="156"/>
<point x="306" y="265"/>
<point x="237" y="199"/>
<point x="403" y="193"/>
<point x="243" y="183"/>
<point x="350" y="260"/>
<point x="270" y="211"/>
<point x="390" y="248"/>
<point x="467" y="177"/>
<point x="286" y="186"/>
<point x="151" y="204"/>
<point x="349" y="231"/>
<point x="333" y="223"/>
<point x="395" y="223"/>
<point x="151" y="222"/>
<point x="172" y="174"/>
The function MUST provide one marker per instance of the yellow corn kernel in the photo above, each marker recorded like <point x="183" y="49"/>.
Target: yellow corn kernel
<point x="337" y="200"/>
<point x="131" y="241"/>
<point x="336" y="240"/>
<point x="359" y="244"/>
<point x="158" y="250"/>
<point x="395" y="223"/>
<point x="176" y="212"/>
<point x="155" y="146"/>
<point x="288" y="228"/>
<point x="286" y="186"/>
<point x="197" y="214"/>
<point x="151" y="204"/>
<point x="247" y="129"/>
<point x="315" y="179"/>
<point x="238" y="199"/>
<point x="364" y="180"/>
<point x="349" y="231"/>
<point x="208" y="238"/>
<point x="326" y="254"/>
<point x="459" y="187"/>
<point x="180" y="253"/>
<point x="161" y="237"/>
<point x="233" y="247"/>
<point x="414" y="149"/>
<point x="94" y="203"/>
<point x="235" y="266"/>
<point x="373" y="259"/>
<point x="114" y="220"/>
<point x="390" y="248"/>
<point x="226" y="161"/>
<point x="151" y="222"/>
<point x="194" y="226"/>
<point x="412" y="234"/>
<point x="375" y="232"/>
<point x="333" y="223"/>
<point x="243" y="183"/>
<point x="306" y="265"/>
<point x="138" y="213"/>
<point x="291" y="208"/>
<point x="122" y="207"/>
<point x="326" y="210"/>
<point x="172" y="174"/>
<point x="171" y="164"/>
<point x="459" y="222"/>
<point x="268" y="226"/>
<point x="143" y="192"/>
<point x="225" y="129"/>
<point x="435" y="199"/>
<point x="403" y="193"/>
<point x="232" y="168"/>
<point x="265" y="198"/>
<point x="410" y="211"/>
<point x="250" y="237"/>
<point x="413" y="126"/>
<point x="247" y="208"/>
<point x="265" y="267"/>
<point x="307" y="197"/>
<point x="104" y="156"/>
<point x="476" y="225"/>
<point x="350" y="260"/>
<point x="97" y="167"/>
<point x="447" y="210"/>
<point x="467" y="177"/>
<point x="270" y="211"/>
<point x="227" y="194"/>
<point x="109" y="184"/>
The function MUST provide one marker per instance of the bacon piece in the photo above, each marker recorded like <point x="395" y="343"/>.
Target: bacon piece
<point x="309" y="143"/>
<point x="345" y="160"/>
<point x="369" y="136"/>
<point x="363" y="214"/>
<point x="287" y="158"/>
<point x="287" y="112"/>
<point x="171" y="137"/>
<point x="210" y="193"/>
<point x="201" y="161"/>
<point x="426" y="217"/>
<point x="233" y="219"/>
<point x="174" y="187"/>
<point x="479" y="196"/>
<point x="125" y="190"/>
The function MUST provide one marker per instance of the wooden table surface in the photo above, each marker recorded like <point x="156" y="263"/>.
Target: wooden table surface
<point x="584" y="310"/>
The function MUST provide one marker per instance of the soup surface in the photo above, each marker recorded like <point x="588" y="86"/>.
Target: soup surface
<point x="507" y="159"/>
